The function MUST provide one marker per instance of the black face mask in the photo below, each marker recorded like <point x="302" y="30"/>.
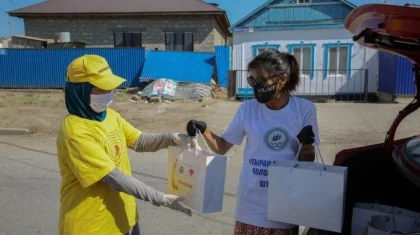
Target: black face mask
<point x="265" y="94"/>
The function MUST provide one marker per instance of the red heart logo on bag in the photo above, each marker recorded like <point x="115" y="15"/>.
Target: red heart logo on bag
<point x="191" y="172"/>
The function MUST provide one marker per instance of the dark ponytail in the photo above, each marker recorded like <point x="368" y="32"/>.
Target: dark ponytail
<point x="294" y="74"/>
<point x="278" y="63"/>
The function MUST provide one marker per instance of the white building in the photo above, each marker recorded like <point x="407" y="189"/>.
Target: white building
<point x="313" y="30"/>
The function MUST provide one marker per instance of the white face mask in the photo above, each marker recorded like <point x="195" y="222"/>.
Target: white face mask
<point x="99" y="103"/>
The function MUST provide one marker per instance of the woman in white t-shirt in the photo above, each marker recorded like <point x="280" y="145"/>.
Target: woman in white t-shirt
<point x="274" y="124"/>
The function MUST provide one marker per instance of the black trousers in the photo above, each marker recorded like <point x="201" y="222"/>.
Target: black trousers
<point x="135" y="230"/>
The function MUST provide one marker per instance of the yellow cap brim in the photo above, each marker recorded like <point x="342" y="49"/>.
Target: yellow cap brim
<point x="108" y="83"/>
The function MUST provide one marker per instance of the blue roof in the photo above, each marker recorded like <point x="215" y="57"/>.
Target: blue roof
<point x="288" y="14"/>
<point x="179" y="66"/>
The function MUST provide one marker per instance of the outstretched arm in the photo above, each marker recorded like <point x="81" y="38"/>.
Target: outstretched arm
<point x="150" y="142"/>
<point x="121" y="182"/>
<point x="221" y="144"/>
<point x="153" y="142"/>
<point x="216" y="143"/>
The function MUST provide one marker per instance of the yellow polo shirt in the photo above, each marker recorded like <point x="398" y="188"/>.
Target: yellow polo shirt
<point x="87" y="151"/>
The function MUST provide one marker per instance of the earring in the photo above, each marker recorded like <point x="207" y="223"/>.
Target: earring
<point x="279" y="91"/>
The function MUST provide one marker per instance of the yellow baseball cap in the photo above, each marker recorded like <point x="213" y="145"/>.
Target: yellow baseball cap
<point x="95" y="70"/>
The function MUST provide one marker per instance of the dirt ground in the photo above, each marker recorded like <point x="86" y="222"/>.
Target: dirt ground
<point x="30" y="179"/>
<point x="42" y="112"/>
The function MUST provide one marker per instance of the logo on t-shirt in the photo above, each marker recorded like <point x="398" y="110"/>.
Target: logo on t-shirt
<point x="276" y="139"/>
<point x="113" y="143"/>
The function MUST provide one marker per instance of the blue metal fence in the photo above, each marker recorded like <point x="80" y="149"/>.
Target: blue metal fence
<point x="179" y="66"/>
<point x="46" y="68"/>
<point x="405" y="77"/>
<point x="387" y="72"/>
<point x="223" y="56"/>
<point x="395" y="75"/>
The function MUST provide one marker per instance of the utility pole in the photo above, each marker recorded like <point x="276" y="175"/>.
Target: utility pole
<point x="10" y="26"/>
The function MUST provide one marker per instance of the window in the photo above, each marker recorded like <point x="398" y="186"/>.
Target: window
<point x="304" y="57"/>
<point x="338" y="60"/>
<point x="188" y="42"/>
<point x="179" y="41"/>
<point x="170" y="41"/>
<point x="260" y="48"/>
<point x="127" y="39"/>
<point x="303" y="1"/>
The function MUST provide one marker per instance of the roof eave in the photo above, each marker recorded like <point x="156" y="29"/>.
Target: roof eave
<point x="251" y="14"/>
<point x="268" y="3"/>
<point x="32" y="14"/>
<point x="348" y="3"/>
<point x="224" y="22"/>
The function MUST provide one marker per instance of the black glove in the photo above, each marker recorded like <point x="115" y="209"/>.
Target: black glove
<point x="306" y="135"/>
<point x="194" y="125"/>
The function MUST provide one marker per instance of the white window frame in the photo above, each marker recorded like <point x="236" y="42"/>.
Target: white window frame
<point x="266" y="46"/>
<point x="298" y="1"/>
<point x="265" y="49"/>
<point x="337" y="72"/>
<point x="301" y="58"/>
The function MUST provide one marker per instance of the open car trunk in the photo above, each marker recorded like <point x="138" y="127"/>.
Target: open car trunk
<point x="374" y="178"/>
<point x="384" y="173"/>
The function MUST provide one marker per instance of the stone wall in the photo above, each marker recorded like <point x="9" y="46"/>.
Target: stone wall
<point x="99" y="31"/>
<point x="219" y="35"/>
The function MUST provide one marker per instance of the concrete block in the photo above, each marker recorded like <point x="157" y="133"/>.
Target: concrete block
<point x="13" y="131"/>
<point x="156" y="99"/>
<point x="136" y="98"/>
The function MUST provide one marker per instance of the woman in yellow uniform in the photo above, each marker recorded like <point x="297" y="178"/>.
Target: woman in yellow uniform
<point x="98" y="193"/>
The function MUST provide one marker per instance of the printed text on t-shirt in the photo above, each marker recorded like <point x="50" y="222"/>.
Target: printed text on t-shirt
<point x="260" y="169"/>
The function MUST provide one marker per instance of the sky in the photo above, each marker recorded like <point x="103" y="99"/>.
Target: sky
<point x="236" y="10"/>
